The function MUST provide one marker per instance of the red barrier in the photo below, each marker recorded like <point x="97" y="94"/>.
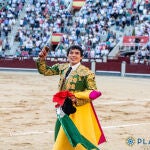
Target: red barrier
<point x="109" y="66"/>
<point x="16" y="63"/>
<point x="138" y="68"/>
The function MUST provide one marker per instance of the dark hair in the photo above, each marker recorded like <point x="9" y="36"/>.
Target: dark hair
<point x="75" y="47"/>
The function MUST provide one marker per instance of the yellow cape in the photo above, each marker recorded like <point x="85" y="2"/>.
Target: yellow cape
<point x="87" y="123"/>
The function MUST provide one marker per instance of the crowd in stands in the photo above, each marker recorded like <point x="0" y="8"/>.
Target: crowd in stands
<point x="141" y="56"/>
<point x="8" y="16"/>
<point x="40" y="21"/>
<point x="94" y="27"/>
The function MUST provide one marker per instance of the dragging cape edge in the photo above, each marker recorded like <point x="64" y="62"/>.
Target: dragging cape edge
<point x="102" y="138"/>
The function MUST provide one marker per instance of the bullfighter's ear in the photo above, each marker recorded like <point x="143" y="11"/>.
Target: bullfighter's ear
<point x="68" y="107"/>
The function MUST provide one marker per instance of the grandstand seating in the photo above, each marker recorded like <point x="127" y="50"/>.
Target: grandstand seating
<point x="99" y="27"/>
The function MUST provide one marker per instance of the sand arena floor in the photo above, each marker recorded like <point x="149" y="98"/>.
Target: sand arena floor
<point x="27" y="114"/>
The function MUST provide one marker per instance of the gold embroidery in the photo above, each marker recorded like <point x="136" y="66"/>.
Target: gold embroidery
<point x="81" y="102"/>
<point x="79" y="80"/>
<point x="68" y="83"/>
<point x="72" y="86"/>
<point x="74" y="80"/>
<point x="46" y="70"/>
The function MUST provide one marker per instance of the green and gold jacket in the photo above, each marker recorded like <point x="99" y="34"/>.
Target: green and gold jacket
<point x="80" y="81"/>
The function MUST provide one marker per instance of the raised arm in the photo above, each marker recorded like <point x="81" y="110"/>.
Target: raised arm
<point x="43" y="68"/>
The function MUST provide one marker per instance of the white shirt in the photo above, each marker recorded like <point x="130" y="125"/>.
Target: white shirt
<point x="74" y="67"/>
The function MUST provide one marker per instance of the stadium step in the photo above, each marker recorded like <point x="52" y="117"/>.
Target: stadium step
<point x="11" y="36"/>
